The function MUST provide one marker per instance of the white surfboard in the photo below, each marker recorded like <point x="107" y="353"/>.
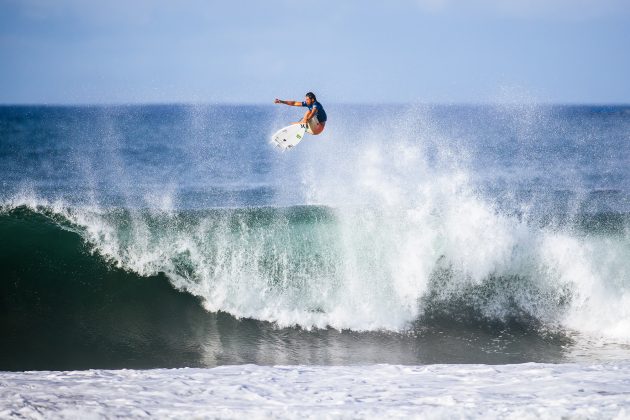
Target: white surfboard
<point x="288" y="137"/>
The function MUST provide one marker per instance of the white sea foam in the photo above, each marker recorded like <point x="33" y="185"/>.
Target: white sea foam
<point x="435" y="391"/>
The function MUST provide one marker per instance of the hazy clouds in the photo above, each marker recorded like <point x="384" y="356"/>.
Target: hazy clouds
<point x="250" y="51"/>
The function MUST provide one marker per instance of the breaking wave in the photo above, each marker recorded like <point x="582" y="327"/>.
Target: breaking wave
<point x="391" y="231"/>
<point x="359" y="269"/>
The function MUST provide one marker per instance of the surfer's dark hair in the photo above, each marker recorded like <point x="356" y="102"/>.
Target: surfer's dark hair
<point x="311" y="95"/>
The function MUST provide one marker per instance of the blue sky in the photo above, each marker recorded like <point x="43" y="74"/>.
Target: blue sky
<point x="430" y="51"/>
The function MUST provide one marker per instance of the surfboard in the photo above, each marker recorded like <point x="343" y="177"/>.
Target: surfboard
<point x="288" y="137"/>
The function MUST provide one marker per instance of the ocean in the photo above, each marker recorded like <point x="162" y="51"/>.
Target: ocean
<point x="436" y="260"/>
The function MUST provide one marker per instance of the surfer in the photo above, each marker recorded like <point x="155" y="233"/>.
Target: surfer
<point x="315" y="118"/>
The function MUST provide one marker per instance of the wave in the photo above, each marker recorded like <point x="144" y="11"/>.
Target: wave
<point x="391" y="230"/>
<point x="361" y="269"/>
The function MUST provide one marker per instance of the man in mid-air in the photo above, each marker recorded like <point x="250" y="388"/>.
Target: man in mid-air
<point x="315" y="117"/>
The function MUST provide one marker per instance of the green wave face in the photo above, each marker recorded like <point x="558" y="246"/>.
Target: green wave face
<point x="318" y="267"/>
<point x="106" y="287"/>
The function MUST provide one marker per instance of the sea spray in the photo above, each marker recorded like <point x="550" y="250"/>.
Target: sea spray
<point x="367" y="269"/>
<point x="372" y="226"/>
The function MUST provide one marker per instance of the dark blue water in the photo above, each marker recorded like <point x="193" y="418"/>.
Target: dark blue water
<point x="155" y="236"/>
<point x="218" y="155"/>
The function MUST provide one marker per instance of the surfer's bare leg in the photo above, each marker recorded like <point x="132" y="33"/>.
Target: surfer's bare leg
<point x="318" y="128"/>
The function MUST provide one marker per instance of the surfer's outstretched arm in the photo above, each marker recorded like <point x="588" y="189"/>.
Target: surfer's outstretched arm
<point x="292" y="103"/>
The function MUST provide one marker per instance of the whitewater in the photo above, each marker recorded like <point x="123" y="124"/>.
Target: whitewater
<point x="434" y="391"/>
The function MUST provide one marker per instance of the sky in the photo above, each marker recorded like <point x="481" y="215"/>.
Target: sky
<point x="346" y="51"/>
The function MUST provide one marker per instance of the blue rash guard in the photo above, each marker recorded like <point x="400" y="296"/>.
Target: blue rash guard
<point x="320" y="113"/>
